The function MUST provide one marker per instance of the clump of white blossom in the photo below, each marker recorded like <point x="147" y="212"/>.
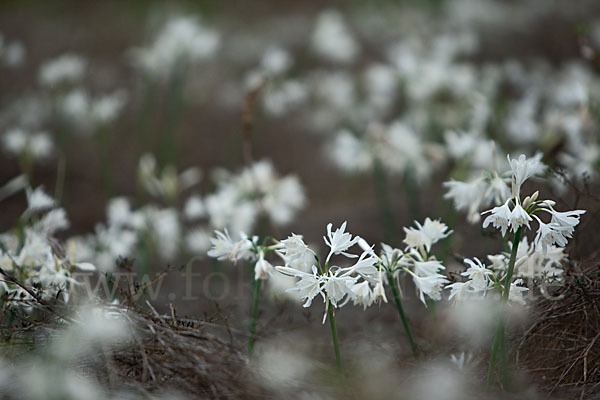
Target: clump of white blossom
<point x="533" y="262"/>
<point x="12" y="54"/>
<point x="181" y="40"/>
<point x="29" y="254"/>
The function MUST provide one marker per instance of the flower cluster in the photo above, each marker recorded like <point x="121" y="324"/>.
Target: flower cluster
<point x="417" y="261"/>
<point x="363" y="282"/>
<point x="538" y="261"/>
<point x="12" y="54"/>
<point x="182" y="39"/>
<point x="360" y="282"/>
<point x="28" y="254"/>
<point x="240" y="199"/>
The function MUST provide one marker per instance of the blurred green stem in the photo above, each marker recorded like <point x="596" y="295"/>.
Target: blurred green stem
<point x="59" y="186"/>
<point x="169" y="146"/>
<point x="254" y="313"/>
<point x="383" y="200"/>
<point x="499" y="342"/>
<point x="104" y="144"/>
<point x="412" y="193"/>
<point x="144" y="114"/>
<point x="392" y="282"/>
<point x="334" y="336"/>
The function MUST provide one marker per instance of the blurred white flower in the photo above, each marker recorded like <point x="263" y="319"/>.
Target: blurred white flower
<point x="194" y="208"/>
<point x="182" y="39"/>
<point x="67" y="68"/>
<point x="332" y="40"/>
<point x="427" y="234"/>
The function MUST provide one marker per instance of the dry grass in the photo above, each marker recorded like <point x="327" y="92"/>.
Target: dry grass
<point x="561" y="348"/>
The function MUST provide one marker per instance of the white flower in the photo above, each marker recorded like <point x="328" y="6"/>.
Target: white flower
<point x="365" y="266"/>
<point x="497" y="191"/>
<point x="430" y="285"/>
<point x="522" y="169"/>
<point x="467" y="196"/>
<point x="67" y="68"/>
<point x="566" y="220"/>
<point x="308" y="287"/>
<point x="478" y="274"/>
<point x="516" y="292"/>
<point x="549" y="234"/>
<point x="284" y="199"/>
<point x="119" y="213"/>
<point x="479" y="280"/>
<point x="198" y="240"/>
<point x="390" y="255"/>
<point x="349" y="153"/>
<point x="296" y="253"/>
<point x="331" y="38"/>
<point x="53" y="221"/>
<point x="337" y="287"/>
<point x="165" y="228"/>
<point x="223" y="247"/>
<point x="427" y="234"/>
<point x="532" y="263"/>
<point x="181" y="39"/>
<point x="518" y="217"/>
<point x="108" y="107"/>
<point x="500" y="217"/>
<point x="194" y="208"/>
<point x="37" y="145"/>
<point x="38" y="200"/>
<point x="427" y="268"/>
<point x="262" y="268"/>
<point x="339" y="241"/>
<point x="276" y="61"/>
<point x="379" y="290"/>
<point x="40" y="145"/>
<point x="362" y="294"/>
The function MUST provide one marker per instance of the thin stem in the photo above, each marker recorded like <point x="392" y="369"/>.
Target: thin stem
<point x="334" y="335"/>
<point x="383" y="199"/>
<point x="511" y="264"/>
<point x="392" y="283"/>
<point x="144" y="116"/>
<point x="499" y="338"/>
<point x="59" y="186"/>
<point x="254" y="313"/>
<point x="103" y="142"/>
<point x="412" y="193"/>
<point x="169" y="150"/>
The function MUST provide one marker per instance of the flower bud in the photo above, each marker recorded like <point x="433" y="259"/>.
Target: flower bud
<point x="530" y="199"/>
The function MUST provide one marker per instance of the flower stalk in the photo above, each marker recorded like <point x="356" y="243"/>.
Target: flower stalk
<point x="392" y="283"/>
<point x="254" y="314"/>
<point x="334" y="336"/>
<point x="383" y="199"/>
<point x="498" y="343"/>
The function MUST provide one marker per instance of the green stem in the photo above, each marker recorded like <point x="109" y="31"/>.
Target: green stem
<point x="383" y="200"/>
<point x="144" y="116"/>
<point x="392" y="283"/>
<point x="254" y="313"/>
<point x="412" y="193"/>
<point x="59" y="186"/>
<point x="334" y="335"/>
<point x="499" y="342"/>
<point x="169" y="150"/>
<point x="103" y="142"/>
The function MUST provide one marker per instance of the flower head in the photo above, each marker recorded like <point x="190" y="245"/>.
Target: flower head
<point x="339" y="241"/>
<point x="427" y="234"/>
<point x="522" y="169"/>
<point x="500" y="217"/>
